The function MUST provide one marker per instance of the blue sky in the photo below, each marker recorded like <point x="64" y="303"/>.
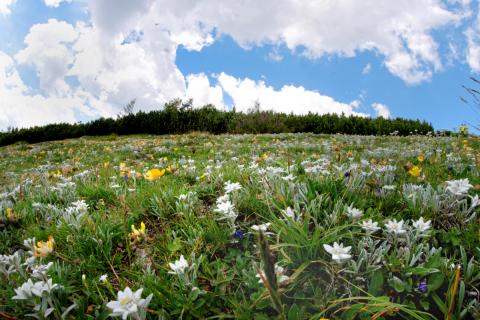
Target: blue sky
<point x="68" y="61"/>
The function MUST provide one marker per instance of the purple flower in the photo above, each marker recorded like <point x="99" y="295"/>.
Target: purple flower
<point x="239" y="234"/>
<point x="422" y="286"/>
<point x="450" y="168"/>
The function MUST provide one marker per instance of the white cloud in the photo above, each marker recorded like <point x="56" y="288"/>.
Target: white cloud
<point x="199" y="89"/>
<point x="366" y="69"/>
<point x="19" y="108"/>
<point x="381" y="110"/>
<point x="55" y="3"/>
<point x="5" y="6"/>
<point x="111" y="70"/>
<point x="246" y="92"/>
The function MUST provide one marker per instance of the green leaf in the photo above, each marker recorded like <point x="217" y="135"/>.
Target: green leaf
<point x="420" y="271"/>
<point x="376" y="283"/>
<point x="397" y="284"/>
<point x="294" y="312"/>
<point x="435" y="281"/>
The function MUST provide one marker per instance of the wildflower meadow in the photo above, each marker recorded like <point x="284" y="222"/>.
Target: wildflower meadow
<point x="272" y="226"/>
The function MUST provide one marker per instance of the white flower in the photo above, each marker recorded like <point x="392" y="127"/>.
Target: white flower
<point x="475" y="201"/>
<point x="458" y="187"/>
<point x="369" y="226"/>
<point x="289" y="177"/>
<point x="223" y="198"/>
<point x="129" y="303"/>
<point x="30" y="289"/>
<point x="227" y="209"/>
<point x="232" y="186"/>
<point x="278" y="272"/>
<point x="40" y="271"/>
<point x="260" y="227"/>
<point x="396" y="227"/>
<point x="103" y="278"/>
<point x="24" y="292"/>
<point x="338" y="252"/>
<point x="179" y="266"/>
<point x="354" y="213"/>
<point x="421" y="225"/>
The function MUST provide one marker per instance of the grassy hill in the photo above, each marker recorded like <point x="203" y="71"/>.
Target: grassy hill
<point x="288" y="226"/>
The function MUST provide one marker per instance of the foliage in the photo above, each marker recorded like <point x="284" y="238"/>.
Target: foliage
<point x="179" y="117"/>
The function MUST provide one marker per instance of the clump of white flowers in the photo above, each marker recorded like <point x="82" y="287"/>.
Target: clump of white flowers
<point x="354" y="213"/>
<point x="37" y="294"/>
<point x="395" y="227"/>
<point x="130" y="303"/>
<point x="338" y="251"/>
<point x="225" y="207"/>
<point x="369" y="226"/>
<point x="458" y="187"/>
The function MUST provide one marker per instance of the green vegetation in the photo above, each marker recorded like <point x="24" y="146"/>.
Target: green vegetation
<point x="273" y="226"/>
<point x="178" y="117"/>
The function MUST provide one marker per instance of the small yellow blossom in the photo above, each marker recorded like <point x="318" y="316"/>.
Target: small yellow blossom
<point x="137" y="234"/>
<point x="415" y="171"/>
<point x="154" y="174"/>
<point x="42" y="248"/>
<point x="421" y="157"/>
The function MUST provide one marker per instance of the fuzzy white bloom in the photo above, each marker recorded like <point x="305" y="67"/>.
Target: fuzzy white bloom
<point x="279" y="270"/>
<point x="338" y="251"/>
<point x="421" y="225"/>
<point x="179" y="266"/>
<point x="458" y="187"/>
<point x="260" y="227"/>
<point x="354" y="213"/>
<point x="369" y="226"/>
<point x="395" y="227"/>
<point x="129" y="303"/>
<point x="223" y="198"/>
<point x="103" y="278"/>
<point x="29" y="289"/>
<point x="40" y="271"/>
<point x="289" y="177"/>
<point x="232" y="186"/>
<point x="227" y="209"/>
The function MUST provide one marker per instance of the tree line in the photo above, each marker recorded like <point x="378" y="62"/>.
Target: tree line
<point x="178" y="117"/>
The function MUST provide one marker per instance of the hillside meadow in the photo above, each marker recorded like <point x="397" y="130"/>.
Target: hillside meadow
<point x="273" y="226"/>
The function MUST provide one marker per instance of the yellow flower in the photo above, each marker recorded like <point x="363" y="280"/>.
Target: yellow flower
<point x="415" y="171"/>
<point x="138" y="234"/>
<point x="43" y="249"/>
<point x="154" y="174"/>
<point x="11" y="216"/>
<point x="421" y="157"/>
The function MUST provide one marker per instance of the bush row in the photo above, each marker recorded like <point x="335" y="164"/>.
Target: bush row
<point x="177" y="118"/>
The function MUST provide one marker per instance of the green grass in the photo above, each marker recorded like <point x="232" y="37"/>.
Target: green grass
<point x="381" y="280"/>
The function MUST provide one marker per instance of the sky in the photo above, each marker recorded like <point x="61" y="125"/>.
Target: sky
<point x="79" y="60"/>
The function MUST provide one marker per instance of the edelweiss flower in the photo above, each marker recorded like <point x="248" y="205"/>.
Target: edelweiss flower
<point x="179" y="266"/>
<point x="338" y="252"/>
<point x="421" y="225"/>
<point x="369" y="226"/>
<point x="43" y="249"/>
<point x="278" y="272"/>
<point x="260" y="227"/>
<point x="354" y="213"/>
<point x="396" y="227"/>
<point x="458" y="187"/>
<point x="30" y="289"/>
<point x="129" y="303"/>
<point x="232" y="186"/>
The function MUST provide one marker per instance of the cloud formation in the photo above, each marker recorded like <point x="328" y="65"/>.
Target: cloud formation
<point x="128" y="50"/>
